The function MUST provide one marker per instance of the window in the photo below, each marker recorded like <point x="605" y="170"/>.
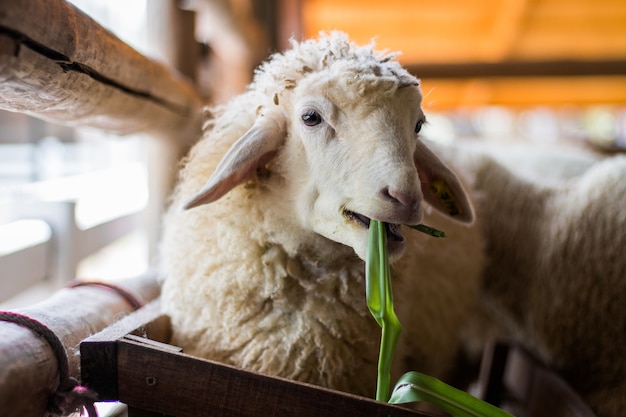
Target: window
<point x="73" y="202"/>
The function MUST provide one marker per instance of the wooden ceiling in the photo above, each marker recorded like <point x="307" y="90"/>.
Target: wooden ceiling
<point x="512" y="52"/>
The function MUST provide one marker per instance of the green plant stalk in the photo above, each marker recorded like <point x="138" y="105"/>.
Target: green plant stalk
<point x="412" y="386"/>
<point x="428" y="230"/>
<point x="380" y="303"/>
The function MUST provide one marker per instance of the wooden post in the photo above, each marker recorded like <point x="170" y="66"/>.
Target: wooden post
<point x="171" y="35"/>
<point x="28" y="368"/>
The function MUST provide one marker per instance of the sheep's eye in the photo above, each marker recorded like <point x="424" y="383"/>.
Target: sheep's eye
<point x="311" y="118"/>
<point x="418" y="126"/>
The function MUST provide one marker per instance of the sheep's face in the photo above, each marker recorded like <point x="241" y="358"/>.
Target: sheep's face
<point x="356" y="160"/>
<point x="344" y="148"/>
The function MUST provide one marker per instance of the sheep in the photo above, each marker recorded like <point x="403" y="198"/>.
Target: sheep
<point x="264" y="265"/>
<point x="555" y="271"/>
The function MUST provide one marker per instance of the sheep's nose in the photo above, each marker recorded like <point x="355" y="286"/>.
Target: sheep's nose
<point x="401" y="198"/>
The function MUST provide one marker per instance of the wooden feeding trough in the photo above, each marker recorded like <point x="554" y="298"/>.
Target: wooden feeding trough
<point x="132" y="363"/>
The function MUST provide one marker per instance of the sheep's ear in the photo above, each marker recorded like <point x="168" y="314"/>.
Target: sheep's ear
<point x="251" y="151"/>
<point x="441" y="188"/>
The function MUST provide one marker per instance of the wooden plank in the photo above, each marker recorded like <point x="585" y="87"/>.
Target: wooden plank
<point x="161" y="381"/>
<point x="28" y="369"/>
<point x="522" y="69"/>
<point x="543" y="392"/>
<point x="130" y="361"/>
<point x="98" y="353"/>
<point x="37" y="257"/>
<point x="510" y="378"/>
<point x="458" y="31"/>
<point x="506" y="26"/>
<point x="99" y="236"/>
<point x="56" y="63"/>
<point x="442" y="94"/>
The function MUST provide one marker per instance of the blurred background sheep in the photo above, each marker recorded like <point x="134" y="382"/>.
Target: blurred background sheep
<point x="554" y="226"/>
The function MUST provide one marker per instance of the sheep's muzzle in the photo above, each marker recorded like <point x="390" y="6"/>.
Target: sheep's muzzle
<point x="392" y="229"/>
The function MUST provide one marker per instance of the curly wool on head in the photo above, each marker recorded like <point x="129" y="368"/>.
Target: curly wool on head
<point x="333" y="52"/>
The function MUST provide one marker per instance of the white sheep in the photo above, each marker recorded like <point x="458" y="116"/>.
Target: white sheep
<point x="265" y="270"/>
<point x="554" y="228"/>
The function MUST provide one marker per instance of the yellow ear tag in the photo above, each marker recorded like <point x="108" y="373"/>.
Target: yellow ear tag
<point x="440" y="189"/>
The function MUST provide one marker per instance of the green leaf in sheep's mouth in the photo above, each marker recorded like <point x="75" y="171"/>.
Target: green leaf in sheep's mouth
<point x="392" y="230"/>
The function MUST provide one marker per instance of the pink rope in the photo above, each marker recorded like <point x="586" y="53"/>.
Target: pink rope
<point x="69" y="396"/>
<point x="134" y="302"/>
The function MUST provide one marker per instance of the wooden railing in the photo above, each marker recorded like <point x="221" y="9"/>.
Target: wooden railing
<point x="56" y="63"/>
<point x="59" y="65"/>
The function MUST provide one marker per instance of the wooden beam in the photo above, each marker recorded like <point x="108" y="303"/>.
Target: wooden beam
<point x="507" y="27"/>
<point x="58" y="64"/>
<point x="442" y="94"/>
<point x="37" y="257"/>
<point x="98" y="353"/>
<point x="556" y="68"/>
<point x="290" y="22"/>
<point x="155" y="379"/>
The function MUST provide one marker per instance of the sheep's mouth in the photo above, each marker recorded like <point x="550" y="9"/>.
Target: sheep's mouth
<point x="392" y="229"/>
